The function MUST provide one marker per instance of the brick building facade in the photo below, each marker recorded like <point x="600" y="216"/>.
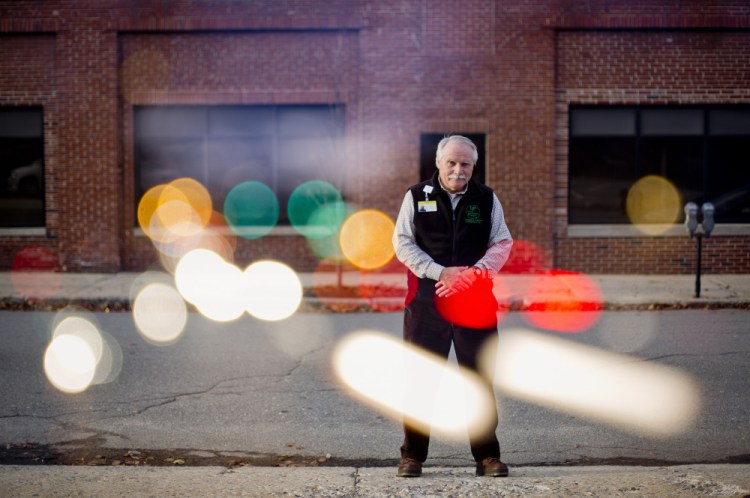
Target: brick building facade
<point x="510" y="71"/>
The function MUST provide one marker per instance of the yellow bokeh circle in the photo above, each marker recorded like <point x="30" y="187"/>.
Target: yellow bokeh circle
<point x="653" y="204"/>
<point x="365" y="239"/>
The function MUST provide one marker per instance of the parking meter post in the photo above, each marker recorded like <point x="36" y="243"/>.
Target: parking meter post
<point x="698" y="266"/>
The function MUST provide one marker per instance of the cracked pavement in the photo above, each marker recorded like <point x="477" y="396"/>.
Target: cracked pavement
<point x="258" y="393"/>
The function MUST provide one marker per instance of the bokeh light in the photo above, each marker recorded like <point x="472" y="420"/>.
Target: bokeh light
<point x="251" y="209"/>
<point x="147" y="206"/>
<point x="329" y="247"/>
<point x="159" y="313"/>
<point x="475" y="307"/>
<point x="216" y="237"/>
<point x="316" y="209"/>
<point x="366" y="239"/>
<point x="70" y="363"/>
<point x="34" y="273"/>
<point x="642" y="397"/>
<point x="192" y="193"/>
<point x="563" y="301"/>
<point x="215" y="287"/>
<point x="273" y="291"/>
<point x="382" y="371"/>
<point x="525" y="257"/>
<point x="107" y="355"/>
<point x="653" y="204"/>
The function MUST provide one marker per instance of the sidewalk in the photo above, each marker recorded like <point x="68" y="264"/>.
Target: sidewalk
<point x="616" y="291"/>
<point x="684" y="480"/>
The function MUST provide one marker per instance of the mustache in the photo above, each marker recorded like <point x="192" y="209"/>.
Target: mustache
<point x="456" y="177"/>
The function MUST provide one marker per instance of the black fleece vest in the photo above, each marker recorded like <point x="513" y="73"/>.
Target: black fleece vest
<point x="453" y="239"/>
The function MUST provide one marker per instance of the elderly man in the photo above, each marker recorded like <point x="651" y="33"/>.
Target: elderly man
<point x="451" y="235"/>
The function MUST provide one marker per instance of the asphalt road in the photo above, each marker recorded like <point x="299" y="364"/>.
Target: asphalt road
<point x="259" y="393"/>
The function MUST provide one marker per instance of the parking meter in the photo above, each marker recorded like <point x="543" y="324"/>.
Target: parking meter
<point x="691" y="217"/>
<point x="708" y="218"/>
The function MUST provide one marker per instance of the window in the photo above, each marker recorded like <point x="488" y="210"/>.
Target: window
<point x="428" y="147"/>
<point x="21" y="168"/>
<point x="703" y="151"/>
<point x="223" y="146"/>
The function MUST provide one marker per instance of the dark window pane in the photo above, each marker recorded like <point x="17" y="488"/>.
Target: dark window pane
<point x="602" y="122"/>
<point x="21" y="123"/>
<point x="170" y="122"/>
<point x="601" y="172"/>
<point x="672" y="122"/>
<point x="729" y="183"/>
<point x="223" y="146"/>
<point x="21" y="168"/>
<point x="241" y="121"/>
<point x="729" y="122"/>
<point x="234" y="161"/>
<point x="305" y="121"/>
<point x="166" y="160"/>
<point x="679" y="160"/>
<point x="703" y="151"/>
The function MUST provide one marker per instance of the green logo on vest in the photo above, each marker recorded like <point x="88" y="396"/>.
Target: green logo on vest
<point x="472" y="214"/>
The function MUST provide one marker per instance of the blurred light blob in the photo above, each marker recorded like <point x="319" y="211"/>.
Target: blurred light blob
<point x="630" y="393"/>
<point x="181" y="208"/>
<point x="72" y="321"/>
<point x="159" y="313"/>
<point x="273" y="291"/>
<point x="79" y="354"/>
<point x="251" y="209"/>
<point x="70" y="363"/>
<point x="316" y="209"/>
<point x="653" y="204"/>
<point x="328" y="247"/>
<point x="216" y="237"/>
<point x="34" y="273"/>
<point x="563" y="301"/>
<point x="394" y="378"/>
<point x="525" y="257"/>
<point x="475" y="307"/>
<point x="194" y="194"/>
<point x="147" y="206"/>
<point x="366" y="239"/>
<point x="215" y="287"/>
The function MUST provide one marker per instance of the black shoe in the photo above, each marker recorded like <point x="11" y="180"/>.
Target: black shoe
<point x="409" y="468"/>
<point x="492" y="467"/>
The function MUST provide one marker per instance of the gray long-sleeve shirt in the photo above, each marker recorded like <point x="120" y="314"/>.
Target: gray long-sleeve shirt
<point x="423" y="266"/>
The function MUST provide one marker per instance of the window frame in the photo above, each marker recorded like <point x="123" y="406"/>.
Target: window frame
<point x="212" y="140"/>
<point x="606" y="229"/>
<point x="40" y="228"/>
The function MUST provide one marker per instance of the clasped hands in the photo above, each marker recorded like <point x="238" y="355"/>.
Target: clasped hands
<point x="454" y="279"/>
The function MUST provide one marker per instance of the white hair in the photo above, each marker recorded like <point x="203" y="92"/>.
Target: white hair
<point x="456" y="138"/>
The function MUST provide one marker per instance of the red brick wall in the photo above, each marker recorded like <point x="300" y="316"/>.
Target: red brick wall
<point x="647" y="68"/>
<point x="508" y="69"/>
<point x="28" y="78"/>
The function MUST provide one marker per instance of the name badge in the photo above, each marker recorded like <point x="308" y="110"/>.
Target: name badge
<point x="427" y="206"/>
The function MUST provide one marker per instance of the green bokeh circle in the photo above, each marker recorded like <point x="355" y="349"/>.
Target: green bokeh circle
<point x="251" y="209"/>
